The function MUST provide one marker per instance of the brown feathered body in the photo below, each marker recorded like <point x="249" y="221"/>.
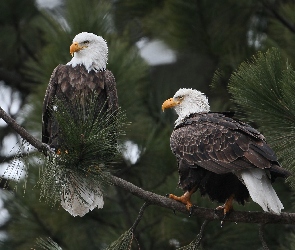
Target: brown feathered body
<point x="212" y="148"/>
<point x="75" y="86"/>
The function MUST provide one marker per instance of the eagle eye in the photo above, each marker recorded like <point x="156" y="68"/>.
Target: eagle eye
<point x="86" y="42"/>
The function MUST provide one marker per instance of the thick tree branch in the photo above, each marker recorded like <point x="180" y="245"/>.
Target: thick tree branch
<point x="42" y="147"/>
<point x="206" y="213"/>
<point x="4" y="158"/>
<point x="155" y="199"/>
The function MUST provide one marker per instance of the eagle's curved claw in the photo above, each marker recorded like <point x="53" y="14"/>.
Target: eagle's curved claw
<point x="185" y="199"/>
<point x="227" y="208"/>
<point x="191" y="211"/>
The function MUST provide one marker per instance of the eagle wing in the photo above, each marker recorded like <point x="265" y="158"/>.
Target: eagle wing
<point x="111" y="90"/>
<point x="47" y="106"/>
<point x="222" y="145"/>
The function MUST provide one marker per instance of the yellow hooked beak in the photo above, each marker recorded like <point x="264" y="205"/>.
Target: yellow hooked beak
<point x="170" y="103"/>
<point x="75" y="47"/>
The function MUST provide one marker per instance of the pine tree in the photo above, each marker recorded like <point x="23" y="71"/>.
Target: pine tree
<point x="18" y="24"/>
<point x="206" y="35"/>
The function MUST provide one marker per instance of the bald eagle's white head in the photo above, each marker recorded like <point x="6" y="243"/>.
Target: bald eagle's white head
<point x="89" y="50"/>
<point x="186" y="102"/>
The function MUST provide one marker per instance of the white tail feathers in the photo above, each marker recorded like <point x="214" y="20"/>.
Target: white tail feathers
<point x="261" y="190"/>
<point x="80" y="196"/>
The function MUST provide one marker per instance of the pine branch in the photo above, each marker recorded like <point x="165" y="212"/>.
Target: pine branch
<point x="124" y="242"/>
<point x="206" y="213"/>
<point x="194" y="245"/>
<point x="162" y="201"/>
<point x="4" y="158"/>
<point x="47" y="244"/>
<point x="42" y="147"/>
<point x="274" y="11"/>
<point x="140" y="214"/>
<point x="261" y="237"/>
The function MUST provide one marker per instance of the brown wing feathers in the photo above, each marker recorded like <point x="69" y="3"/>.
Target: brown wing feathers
<point x="47" y="106"/>
<point x="110" y="85"/>
<point x="74" y="85"/>
<point x="222" y="145"/>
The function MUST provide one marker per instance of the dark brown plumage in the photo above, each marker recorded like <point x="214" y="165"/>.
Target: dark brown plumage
<point x="222" y="157"/>
<point x="210" y="147"/>
<point x="85" y="92"/>
<point x="75" y="85"/>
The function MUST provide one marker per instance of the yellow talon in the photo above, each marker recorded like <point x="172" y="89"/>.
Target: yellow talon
<point x="228" y="206"/>
<point x="185" y="199"/>
<point x="59" y="152"/>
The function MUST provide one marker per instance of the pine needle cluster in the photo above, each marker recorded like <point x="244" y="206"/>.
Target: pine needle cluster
<point x="194" y="245"/>
<point x="264" y="88"/>
<point x="88" y="146"/>
<point x="47" y="244"/>
<point x="123" y="242"/>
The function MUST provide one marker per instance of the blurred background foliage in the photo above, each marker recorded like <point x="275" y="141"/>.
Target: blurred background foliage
<point x="201" y="37"/>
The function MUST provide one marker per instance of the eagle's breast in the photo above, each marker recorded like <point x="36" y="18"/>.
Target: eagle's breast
<point x="77" y="82"/>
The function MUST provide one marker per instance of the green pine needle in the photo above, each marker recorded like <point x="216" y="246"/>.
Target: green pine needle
<point x="125" y="240"/>
<point x="194" y="245"/>
<point x="19" y="166"/>
<point x="47" y="244"/>
<point x="123" y="243"/>
<point x="264" y="88"/>
<point x="89" y="147"/>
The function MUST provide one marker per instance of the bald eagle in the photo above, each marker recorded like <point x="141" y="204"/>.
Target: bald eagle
<point x="75" y="83"/>
<point x="223" y="158"/>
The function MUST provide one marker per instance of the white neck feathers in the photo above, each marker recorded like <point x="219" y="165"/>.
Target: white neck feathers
<point x="193" y="101"/>
<point x="94" y="56"/>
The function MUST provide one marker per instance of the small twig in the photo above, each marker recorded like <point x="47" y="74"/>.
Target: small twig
<point x="197" y="241"/>
<point x="137" y="243"/>
<point x="201" y="233"/>
<point x="140" y="214"/>
<point x="261" y="237"/>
